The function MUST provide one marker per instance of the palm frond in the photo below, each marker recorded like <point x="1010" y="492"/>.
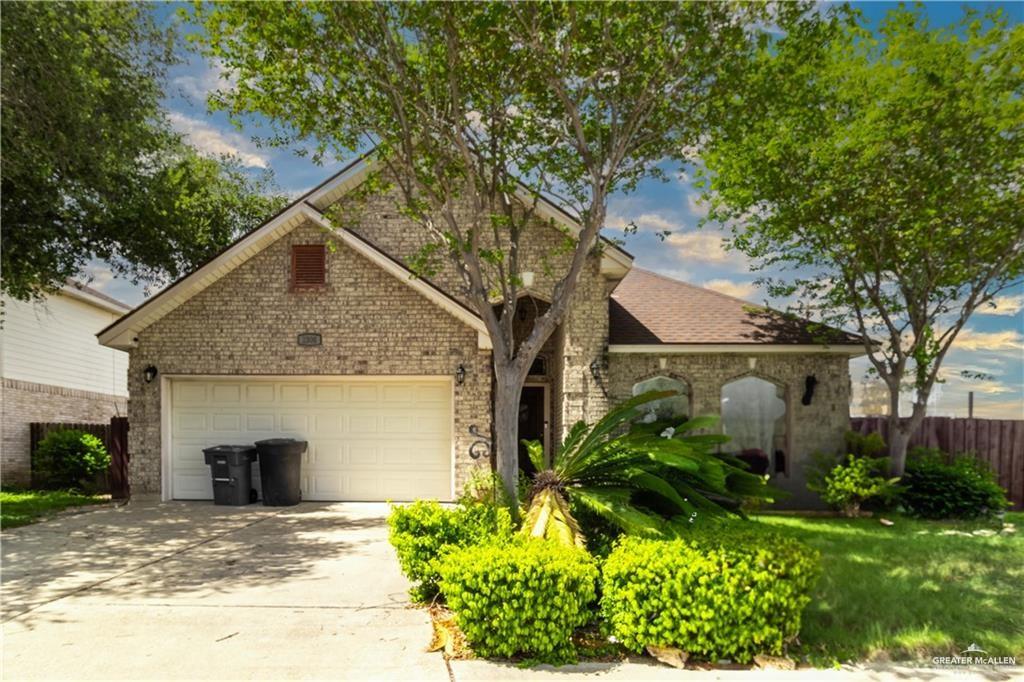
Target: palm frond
<point x="615" y="506"/>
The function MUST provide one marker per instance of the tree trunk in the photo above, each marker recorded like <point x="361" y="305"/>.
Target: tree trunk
<point x="898" y="442"/>
<point x="507" y="392"/>
<point x="898" y="438"/>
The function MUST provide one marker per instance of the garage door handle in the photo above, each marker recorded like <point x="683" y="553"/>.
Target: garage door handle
<point x="222" y="480"/>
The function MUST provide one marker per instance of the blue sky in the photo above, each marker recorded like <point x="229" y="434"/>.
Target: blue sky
<point x="992" y="343"/>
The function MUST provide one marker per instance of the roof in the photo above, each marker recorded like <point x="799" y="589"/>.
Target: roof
<point x="615" y="262"/>
<point x="94" y="296"/>
<point x="651" y="310"/>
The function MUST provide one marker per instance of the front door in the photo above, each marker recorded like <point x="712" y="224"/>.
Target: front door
<point x="533" y="422"/>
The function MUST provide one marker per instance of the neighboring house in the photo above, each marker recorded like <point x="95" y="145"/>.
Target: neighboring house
<point x="54" y="369"/>
<point x="389" y="376"/>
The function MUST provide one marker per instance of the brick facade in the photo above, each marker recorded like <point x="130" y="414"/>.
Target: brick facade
<point x="24" y="402"/>
<point x="372" y="324"/>
<point x="246" y="324"/>
<point x="818" y="427"/>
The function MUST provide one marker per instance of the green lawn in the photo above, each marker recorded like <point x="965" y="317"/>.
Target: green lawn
<point x="910" y="592"/>
<point x="21" y="507"/>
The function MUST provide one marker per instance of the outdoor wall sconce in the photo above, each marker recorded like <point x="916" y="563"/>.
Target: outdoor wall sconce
<point x="527" y="278"/>
<point x="752" y="363"/>
<point x="809" y="383"/>
<point x="460" y="374"/>
<point x="149" y="374"/>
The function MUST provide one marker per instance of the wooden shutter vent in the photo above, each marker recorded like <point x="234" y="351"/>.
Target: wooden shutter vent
<point x="309" y="266"/>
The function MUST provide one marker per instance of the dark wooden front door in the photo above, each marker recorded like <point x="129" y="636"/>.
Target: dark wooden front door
<point x="532" y="422"/>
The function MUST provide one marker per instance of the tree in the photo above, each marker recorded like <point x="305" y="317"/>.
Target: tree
<point x="478" y="109"/>
<point x="881" y="175"/>
<point x="91" y="167"/>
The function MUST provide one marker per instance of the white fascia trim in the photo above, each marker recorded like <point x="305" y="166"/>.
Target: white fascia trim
<point x="549" y="211"/>
<point x="121" y="334"/>
<point x="336" y="188"/>
<point x="620" y="263"/>
<point x="72" y="291"/>
<point x="748" y="349"/>
<point x="410" y="280"/>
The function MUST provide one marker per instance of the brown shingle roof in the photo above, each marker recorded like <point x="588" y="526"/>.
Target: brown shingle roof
<point x="647" y="308"/>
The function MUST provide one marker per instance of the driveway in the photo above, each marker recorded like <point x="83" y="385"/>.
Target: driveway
<point x="193" y="591"/>
<point x="189" y="591"/>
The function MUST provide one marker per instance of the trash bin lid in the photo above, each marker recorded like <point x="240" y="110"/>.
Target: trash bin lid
<point x="277" y="441"/>
<point x="224" y="449"/>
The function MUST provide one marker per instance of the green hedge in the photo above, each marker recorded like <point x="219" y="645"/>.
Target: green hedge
<point x="725" y="593"/>
<point x="422" y="531"/>
<point x="937" y="487"/>
<point x="521" y="598"/>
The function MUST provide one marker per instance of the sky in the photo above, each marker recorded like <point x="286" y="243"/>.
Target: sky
<point x="991" y="344"/>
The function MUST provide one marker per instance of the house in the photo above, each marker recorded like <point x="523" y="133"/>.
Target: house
<point x="54" y="370"/>
<point x="388" y="376"/>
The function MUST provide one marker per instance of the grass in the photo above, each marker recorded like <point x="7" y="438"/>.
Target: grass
<point x="22" y="507"/>
<point x="911" y="591"/>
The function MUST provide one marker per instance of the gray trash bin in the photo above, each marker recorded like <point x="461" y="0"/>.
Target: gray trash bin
<point x="231" y="469"/>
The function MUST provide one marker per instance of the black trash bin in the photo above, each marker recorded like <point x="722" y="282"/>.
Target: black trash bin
<point x="280" y="468"/>
<point x="231" y="468"/>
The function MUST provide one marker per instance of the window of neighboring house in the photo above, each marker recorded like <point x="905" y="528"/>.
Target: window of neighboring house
<point x="754" y="417"/>
<point x="309" y="267"/>
<point x="672" y="407"/>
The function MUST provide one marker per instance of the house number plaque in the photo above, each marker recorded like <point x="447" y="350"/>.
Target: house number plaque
<point x="310" y="339"/>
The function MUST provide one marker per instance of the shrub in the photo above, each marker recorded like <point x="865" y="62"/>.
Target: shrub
<point x="870" y="446"/>
<point x="727" y="592"/>
<point x="421" y="531"/>
<point x="851" y="484"/>
<point x="937" y="487"/>
<point x="522" y="598"/>
<point x="69" y="458"/>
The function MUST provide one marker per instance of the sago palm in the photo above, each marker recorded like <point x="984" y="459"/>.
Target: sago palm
<point x="648" y="480"/>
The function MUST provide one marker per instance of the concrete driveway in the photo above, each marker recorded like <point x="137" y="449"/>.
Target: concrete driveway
<point x="193" y="591"/>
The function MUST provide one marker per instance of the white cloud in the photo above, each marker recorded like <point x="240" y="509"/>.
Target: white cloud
<point x="1008" y="339"/>
<point x="645" y="222"/>
<point x="729" y="287"/>
<point x="98" y="276"/>
<point x="707" y="248"/>
<point x="698" y="208"/>
<point x="1003" y="305"/>
<point x="199" y="86"/>
<point x="209" y="140"/>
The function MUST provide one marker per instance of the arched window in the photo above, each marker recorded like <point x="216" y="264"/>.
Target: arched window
<point x="754" y="417"/>
<point x="674" y="407"/>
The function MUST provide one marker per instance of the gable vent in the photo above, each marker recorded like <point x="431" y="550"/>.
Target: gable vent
<point x="309" y="266"/>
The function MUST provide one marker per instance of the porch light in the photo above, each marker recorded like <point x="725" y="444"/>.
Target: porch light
<point x="149" y="374"/>
<point x="460" y="374"/>
<point x="752" y="363"/>
<point x="527" y="278"/>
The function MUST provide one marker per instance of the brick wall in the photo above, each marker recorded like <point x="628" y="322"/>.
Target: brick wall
<point x="579" y="341"/>
<point x="24" y="402"/>
<point x="247" y="323"/>
<point x="818" y="427"/>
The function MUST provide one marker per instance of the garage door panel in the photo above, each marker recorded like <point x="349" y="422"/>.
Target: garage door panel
<point x="226" y="394"/>
<point x="369" y="439"/>
<point x="259" y="422"/>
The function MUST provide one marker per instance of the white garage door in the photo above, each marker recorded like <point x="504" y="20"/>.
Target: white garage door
<point x="370" y="439"/>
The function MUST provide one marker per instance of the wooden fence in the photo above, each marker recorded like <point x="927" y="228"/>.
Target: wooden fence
<point x="1000" y="442"/>
<point x="114" y="436"/>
